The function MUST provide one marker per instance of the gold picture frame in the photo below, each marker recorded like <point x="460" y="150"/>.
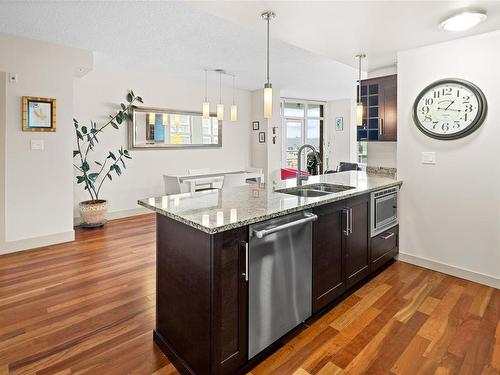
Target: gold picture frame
<point x="39" y="114"/>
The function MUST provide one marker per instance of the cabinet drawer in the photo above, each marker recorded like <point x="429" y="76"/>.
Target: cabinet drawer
<point x="384" y="247"/>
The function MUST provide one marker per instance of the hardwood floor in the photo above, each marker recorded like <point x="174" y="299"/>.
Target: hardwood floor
<point x="88" y="307"/>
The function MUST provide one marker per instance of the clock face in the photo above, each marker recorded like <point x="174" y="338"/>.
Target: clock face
<point x="449" y="109"/>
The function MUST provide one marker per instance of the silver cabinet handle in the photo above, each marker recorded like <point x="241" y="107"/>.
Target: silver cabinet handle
<point x="381" y="126"/>
<point x="347" y="221"/>
<point x="350" y="220"/>
<point x="245" y="274"/>
<point x="388" y="236"/>
<point x="264" y="232"/>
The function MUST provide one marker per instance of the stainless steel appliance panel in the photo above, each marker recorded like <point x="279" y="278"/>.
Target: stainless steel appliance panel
<point x="280" y="278"/>
<point x="384" y="210"/>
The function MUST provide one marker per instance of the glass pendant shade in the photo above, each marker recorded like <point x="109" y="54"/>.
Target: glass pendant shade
<point x="234" y="113"/>
<point x="220" y="111"/>
<point x="359" y="114"/>
<point x="268" y="101"/>
<point x="152" y="118"/>
<point x="206" y="110"/>
<point x="165" y="120"/>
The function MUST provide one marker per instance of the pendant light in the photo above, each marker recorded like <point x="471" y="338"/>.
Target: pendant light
<point x="359" y="106"/>
<point x="220" y="106"/>
<point x="206" y="104"/>
<point x="268" y="87"/>
<point x="234" y="108"/>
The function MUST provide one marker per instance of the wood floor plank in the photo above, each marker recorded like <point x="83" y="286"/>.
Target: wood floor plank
<point x="87" y="307"/>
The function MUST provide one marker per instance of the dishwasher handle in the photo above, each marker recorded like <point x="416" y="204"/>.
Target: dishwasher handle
<point x="264" y="232"/>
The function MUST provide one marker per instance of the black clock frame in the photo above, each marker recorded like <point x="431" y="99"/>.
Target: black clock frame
<point x="474" y="125"/>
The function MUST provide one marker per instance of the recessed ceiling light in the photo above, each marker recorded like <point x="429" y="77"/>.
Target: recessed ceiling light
<point x="463" y="21"/>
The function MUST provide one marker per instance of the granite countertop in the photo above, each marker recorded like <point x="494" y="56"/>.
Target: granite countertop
<point x="214" y="211"/>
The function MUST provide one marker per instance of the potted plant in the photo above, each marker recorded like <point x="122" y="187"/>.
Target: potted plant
<point x="93" y="175"/>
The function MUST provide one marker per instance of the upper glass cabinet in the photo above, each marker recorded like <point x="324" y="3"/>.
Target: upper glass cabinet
<point x="154" y="128"/>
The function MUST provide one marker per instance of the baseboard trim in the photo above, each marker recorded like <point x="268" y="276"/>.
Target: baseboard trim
<point x="119" y="214"/>
<point x="34" y="242"/>
<point x="451" y="270"/>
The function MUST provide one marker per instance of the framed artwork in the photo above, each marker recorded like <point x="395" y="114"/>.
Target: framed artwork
<point x="339" y="123"/>
<point x="262" y="137"/>
<point x="39" y="114"/>
<point x="255" y="125"/>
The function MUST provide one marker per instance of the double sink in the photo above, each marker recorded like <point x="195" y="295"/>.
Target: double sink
<point x="315" y="190"/>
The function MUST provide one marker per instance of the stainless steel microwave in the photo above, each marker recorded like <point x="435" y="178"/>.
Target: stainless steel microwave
<point x="384" y="210"/>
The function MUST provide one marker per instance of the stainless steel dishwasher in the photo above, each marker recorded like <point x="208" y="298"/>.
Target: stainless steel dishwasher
<point x="280" y="278"/>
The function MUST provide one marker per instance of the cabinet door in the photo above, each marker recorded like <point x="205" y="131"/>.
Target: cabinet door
<point x="328" y="259"/>
<point x="388" y="122"/>
<point x="357" y="241"/>
<point x="230" y="301"/>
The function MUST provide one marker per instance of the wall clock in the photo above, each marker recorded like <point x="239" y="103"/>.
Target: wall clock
<point x="449" y="109"/>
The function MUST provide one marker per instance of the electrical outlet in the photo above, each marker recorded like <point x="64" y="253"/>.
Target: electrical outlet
<point x="37" y="144"/>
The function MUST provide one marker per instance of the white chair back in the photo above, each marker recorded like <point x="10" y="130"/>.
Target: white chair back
<point x="172" y="185"/>
<point x="254" y="170"/>
<point x="198" y="171"/>
<point x="233" y="180"/>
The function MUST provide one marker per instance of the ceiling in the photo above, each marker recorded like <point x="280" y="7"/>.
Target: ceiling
<point x="342" y="29"/>
<point x="312" y="48"/>
<point x="179" y="40"/>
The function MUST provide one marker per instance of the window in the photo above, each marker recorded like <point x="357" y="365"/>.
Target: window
<point x="302" y="123"/>
<point x="362" y="152"/>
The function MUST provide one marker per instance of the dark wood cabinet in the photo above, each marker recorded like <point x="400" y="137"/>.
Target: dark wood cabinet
<point x="356" y="241"/>
<point x="202" y="294"/>
<point x="201" y="299"/>
<point x="328" y="255"/>
<point x="379" y="98"/>
<point x="384" y="247"/>
<point x="340" y="248"/>
<point x="230" y="302"/>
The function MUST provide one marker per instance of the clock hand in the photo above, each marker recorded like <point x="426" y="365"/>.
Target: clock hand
<point x="449" y="105"/>
<point x="450" y="109"/>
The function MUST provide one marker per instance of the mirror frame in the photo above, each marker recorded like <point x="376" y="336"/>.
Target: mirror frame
<point x="131" y="130"/>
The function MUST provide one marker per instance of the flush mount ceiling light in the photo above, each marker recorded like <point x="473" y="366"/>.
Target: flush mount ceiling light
<point x="359" y="106"/>
<point x="268" y="87"/>
<point x="463" y="20"/>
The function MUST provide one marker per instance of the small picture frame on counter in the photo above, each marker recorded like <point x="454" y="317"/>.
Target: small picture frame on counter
<point x="255" y="125"/>
<point x="262" y="137"/>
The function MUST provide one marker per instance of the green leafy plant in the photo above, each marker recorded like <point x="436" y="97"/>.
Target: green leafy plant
<point x="92" y="176"/>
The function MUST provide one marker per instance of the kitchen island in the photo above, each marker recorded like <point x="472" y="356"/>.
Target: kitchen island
<point x="207" y="311"/>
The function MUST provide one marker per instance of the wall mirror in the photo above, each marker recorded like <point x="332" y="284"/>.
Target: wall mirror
<point x="155" y="128"/>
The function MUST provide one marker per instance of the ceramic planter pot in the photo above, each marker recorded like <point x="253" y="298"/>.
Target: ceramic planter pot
<point x="93" y="213"/>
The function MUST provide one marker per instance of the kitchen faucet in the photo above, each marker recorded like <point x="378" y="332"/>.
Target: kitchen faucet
<point x="301" y="178"/>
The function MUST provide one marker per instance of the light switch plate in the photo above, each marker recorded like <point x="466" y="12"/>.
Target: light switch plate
<point x="428" y="158"/>
<point x="37" y="144"/>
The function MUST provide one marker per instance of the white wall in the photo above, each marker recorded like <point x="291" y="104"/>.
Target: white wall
<point x="99" y="93"/>
<point x="340" y="145"/>
<point x="382" y="154"/>
<point x="267" y="155"/>
<point x="450" y="211"/>
<point x="38" y="184"/>
<point x="3" y="121"/>
<point x="382" y="71"/>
